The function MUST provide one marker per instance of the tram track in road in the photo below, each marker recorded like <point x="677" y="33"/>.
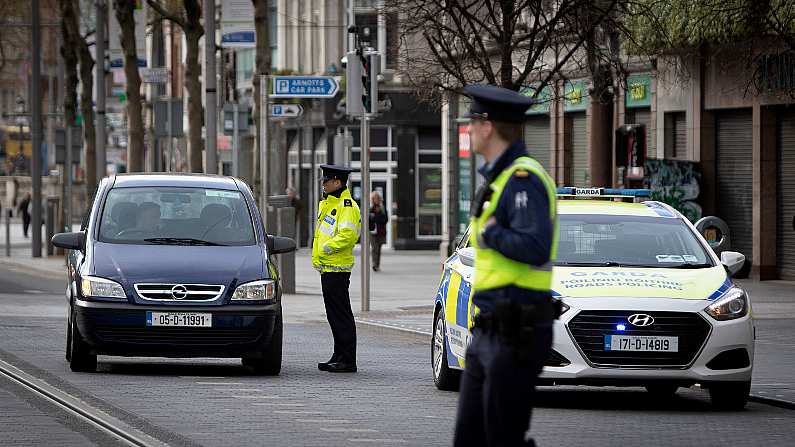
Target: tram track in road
<point x="106" y="424"/>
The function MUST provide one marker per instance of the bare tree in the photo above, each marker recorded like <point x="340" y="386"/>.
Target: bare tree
<point x="753" y="37"/>
<point x="187" y="15"/>
<point x="86" y="97"/>
<point x="135" y="141"/>
<point x="511" y="43"/>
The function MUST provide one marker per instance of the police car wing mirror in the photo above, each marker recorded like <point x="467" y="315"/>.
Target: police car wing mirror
<point x="467" y="256"/>
<point x="732" y="260"/>
<point x="70" y="241"/>
<point x="281" y="245"/>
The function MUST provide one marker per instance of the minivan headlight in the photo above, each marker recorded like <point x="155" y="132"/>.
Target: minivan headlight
<point x="92" y="286"/>
<point x="264" y="290"/>
<point x="732" y="305"/>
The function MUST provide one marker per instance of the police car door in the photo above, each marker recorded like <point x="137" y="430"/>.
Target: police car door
<point x="458" y="302"/>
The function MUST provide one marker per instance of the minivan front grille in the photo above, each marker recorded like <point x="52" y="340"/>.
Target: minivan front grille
<point x="179" y="292"/>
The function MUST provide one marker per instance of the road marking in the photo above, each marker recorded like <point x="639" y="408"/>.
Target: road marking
<point x="219" y="383"/>
<point x="201" y="377"/>
<point x="276" y="404"/>
<point x="346" y="430"/>
<point x="35" y="292"/>
<point x="298" y="412"/>
<point x="323" y="421"/>
<point x="237" y="396"/>
<point x="241" y="390"/>
<point x="379" y="441"/>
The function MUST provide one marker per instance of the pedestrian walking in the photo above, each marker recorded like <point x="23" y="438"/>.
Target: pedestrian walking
<point x="24" y="211"/>
<point x="378" y="220"/>
<point x="338" y="226"/>
<point x="513" y="231"/>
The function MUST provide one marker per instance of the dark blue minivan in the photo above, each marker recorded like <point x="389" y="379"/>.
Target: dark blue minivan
<point x="174" y="265"/>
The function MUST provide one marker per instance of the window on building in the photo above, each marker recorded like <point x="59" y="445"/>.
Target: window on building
<point x="429" y="182"/>
<point x="675" y="134"/>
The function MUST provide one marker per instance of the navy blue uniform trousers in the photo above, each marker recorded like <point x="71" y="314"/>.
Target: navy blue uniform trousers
<point x="497" y="390"/>
<point x="340" y="316"/>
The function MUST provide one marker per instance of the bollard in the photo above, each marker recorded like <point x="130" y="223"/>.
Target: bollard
<point x="50" y="225"/>
<point x="8" y="233"/>
<point x="285" y="219"/>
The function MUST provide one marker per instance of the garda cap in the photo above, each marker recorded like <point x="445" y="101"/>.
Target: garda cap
<point x="494" y="103"/>
<point x="335" y="172"/>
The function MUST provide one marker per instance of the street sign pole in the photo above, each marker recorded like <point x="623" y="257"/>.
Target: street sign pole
<point x="101" y="155"/>
<point x="263" y="148"/>
<point x="171" y="162"/>
<point x="235" y="148"/>
<point x="365" y="208"/>
<point x="67" y="178"/>
<point x="211" y="100"/>
<point x="35" y="126"/>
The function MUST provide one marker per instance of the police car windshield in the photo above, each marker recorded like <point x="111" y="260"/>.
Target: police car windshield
<point x="176" y="216"/>
<point x="628" y="241"/>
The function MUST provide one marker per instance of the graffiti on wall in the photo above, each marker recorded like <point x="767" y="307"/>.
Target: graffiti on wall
<point x="675" y="183"/>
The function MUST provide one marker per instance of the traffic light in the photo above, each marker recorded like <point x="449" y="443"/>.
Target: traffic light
<point x="361" y="73"/>
<point x="370" y="69"/>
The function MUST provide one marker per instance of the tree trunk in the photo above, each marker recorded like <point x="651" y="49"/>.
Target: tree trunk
<point x="195" y="109"/>
<point x="135" y="126"/>
<point x="68" y="45"/>
<point x="86" y="107"/>
<point x="262" y="67"/>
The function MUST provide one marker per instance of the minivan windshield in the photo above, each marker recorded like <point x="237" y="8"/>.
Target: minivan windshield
<point x="628" y="241"/>
<point x="176" y="216"/>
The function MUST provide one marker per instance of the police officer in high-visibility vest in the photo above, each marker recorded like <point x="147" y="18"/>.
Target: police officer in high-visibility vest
<point x="514" y="232"/>
<point x="338" y="226"/>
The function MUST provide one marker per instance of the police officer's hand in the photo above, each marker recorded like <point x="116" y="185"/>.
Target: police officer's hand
<point x="491" y="221"/>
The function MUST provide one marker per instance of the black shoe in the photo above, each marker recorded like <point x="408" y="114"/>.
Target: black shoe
<point x="375" y="268"/>
<point x="323" y="366"/>
<point x="341" y="367"/>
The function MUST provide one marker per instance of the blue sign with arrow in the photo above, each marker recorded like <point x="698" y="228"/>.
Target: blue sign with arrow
<point x="305" y="87"/>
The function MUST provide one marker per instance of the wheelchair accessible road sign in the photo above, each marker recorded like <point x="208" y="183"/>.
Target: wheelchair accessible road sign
<point x="304" y="87"/>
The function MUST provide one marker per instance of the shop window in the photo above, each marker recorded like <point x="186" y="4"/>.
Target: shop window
<point x="429" y="201"/>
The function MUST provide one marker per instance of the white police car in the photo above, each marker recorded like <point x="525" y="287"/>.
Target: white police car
<point x="646" y="303"/>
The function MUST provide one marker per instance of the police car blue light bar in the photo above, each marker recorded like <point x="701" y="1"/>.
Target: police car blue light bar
<point x="602" y="192"/>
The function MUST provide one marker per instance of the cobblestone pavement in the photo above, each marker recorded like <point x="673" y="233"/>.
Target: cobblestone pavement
<point x="391" y="401"/>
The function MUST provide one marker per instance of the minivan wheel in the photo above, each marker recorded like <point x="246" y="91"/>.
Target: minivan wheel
<point x="80" y="357"/>
<point x="269" y="363"/>
<point x="444" y="377"/>
<point x="729" y="396"/>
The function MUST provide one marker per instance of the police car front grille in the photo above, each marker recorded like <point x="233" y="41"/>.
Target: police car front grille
<point x="589" y="328"/>
<point x="184" y="292"/>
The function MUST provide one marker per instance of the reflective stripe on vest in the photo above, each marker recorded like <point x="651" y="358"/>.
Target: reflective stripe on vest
<point x="492" y="269"/>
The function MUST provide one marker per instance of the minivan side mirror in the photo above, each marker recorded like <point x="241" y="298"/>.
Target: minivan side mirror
<point x="70" y="241"/>
<point x="277" y="245"/>
<point x="467" y="256"/>
<point x="733" y="261"/>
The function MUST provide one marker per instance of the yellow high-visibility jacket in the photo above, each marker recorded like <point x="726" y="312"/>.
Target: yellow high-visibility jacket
<point x="336" y="233"/>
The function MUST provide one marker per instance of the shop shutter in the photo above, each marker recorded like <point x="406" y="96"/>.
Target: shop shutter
<point x="786" y="196"/>
<point x="734" y="155"/>
<point x="642" y="116"/>
<point x="536" y="137"/>
<point x="680" y="135"/>
<point x="578" y="145"/>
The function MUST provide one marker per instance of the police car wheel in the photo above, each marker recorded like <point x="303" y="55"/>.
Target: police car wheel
<point x="269" y="363"/>
<point x="444" y="377"/>
<point x="662" y="390"/>
<point x="80" y="357"/>
<point x="729" y="396"/>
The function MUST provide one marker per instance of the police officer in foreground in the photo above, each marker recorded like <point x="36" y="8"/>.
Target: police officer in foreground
<point x="338" y="225"/>
<point x="514" y="232"/>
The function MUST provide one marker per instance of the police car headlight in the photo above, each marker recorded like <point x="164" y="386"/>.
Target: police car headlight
<point x="733" y="304"/>
<point x="264" y="290"/>
<point x="92" y="286"/>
